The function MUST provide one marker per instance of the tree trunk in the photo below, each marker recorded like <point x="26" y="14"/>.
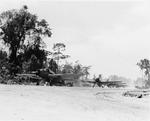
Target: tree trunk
<point x="13" y="55"/>
<point x="13" y="61"/>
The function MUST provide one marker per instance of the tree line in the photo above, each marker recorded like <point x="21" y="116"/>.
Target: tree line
<point x="22" y="33"/>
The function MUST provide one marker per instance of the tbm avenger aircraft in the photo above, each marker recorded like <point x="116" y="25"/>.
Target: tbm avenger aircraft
<point x="48" y="77"/>
<point x="98" y="81"/>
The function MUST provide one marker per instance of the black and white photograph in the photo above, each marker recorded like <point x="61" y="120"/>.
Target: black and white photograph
<point x="74" y="60"/>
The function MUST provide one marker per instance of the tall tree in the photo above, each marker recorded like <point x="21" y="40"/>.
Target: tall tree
<point x="58" y="49"/>
<point x="86" y="71"/>
<point x="145" y="65"/>
<point x="20" y="27"/>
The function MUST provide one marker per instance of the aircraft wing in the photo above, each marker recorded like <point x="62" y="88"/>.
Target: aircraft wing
<point x="110" y="83"/>
<point x="114" y="83"/>
<point x="88" y="81"/>
<point x="34" y="76"/>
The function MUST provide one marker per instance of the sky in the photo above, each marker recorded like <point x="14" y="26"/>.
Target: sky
<point x="111" y="35"/>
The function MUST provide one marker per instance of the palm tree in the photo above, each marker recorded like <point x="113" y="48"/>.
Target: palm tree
<point x="145" y="65"/>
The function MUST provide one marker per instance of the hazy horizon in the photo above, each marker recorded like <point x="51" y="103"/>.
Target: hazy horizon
<point x="110" y="36"/>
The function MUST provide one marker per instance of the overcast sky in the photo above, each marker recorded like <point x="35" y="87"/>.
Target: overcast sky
<point x="110" y="36"/>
